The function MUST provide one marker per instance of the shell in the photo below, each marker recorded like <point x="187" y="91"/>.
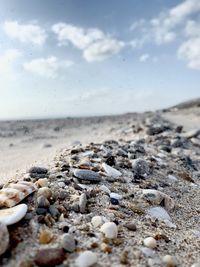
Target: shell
<point x="15" y="193"/>
<point x="112" y="172"/>
<point x="13" y="215"/>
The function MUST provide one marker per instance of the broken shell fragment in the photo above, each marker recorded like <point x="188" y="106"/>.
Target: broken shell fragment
<point x="15" y="193"/>
<point x="13" y="215"/>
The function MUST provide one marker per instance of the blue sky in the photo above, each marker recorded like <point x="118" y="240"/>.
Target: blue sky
<point x="77" y="58"/>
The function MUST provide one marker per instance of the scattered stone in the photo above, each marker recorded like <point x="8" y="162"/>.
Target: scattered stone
<point x="87" y="175"/>
<point x="114" y="201"/>
<point x="130" y="226"/>
<point x="105" y="248"/>
<point x="115" y="196"/>
<point x="97" y="221"/>
<point x="83" y="203"/>
<point x="105" y="189"/>
<point x="169" y="261"/>
<point x="110" y="171"/>
<point x="13" y="215"/>
<point x="39" y="170"/>
<point x="68" y="242"/>
<point x="150" y="242"/>
<point x="54" y="212"/>
<point x="140" y="168"/>
<point x="45" y="191"/>
<point x="49" y="257"/>
<point x="86" y="259"/>
<point x="4" y="238"/>
<point x="109" y="229"/>
<point x="42" y="182"/>
<point x="45" y="237"/>
<point x="42" y="202"/>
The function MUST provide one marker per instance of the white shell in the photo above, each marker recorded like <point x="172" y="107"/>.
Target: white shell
<point x="150" y="242"/>
<point x="111" y="171"/>
<point x="86" y="259"/>
<point x="4" y="238"/>
<point x="116" y="196"/>
<point x="159" y="213"/>
<point x="13" y="215"/>
<point x="109" y="229"/>
<point x="97" y="221"/>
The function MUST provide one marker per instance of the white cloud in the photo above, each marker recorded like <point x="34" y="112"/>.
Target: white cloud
<point x="144" y="57"/>
<point x="138" y="24"/>
<point x="192" y="28"/>
<point x="190" y="51"/>
<point x="102" y="49"/>
<point x="46" y="67"/>
<point x="25" y="33"/>
<point x="95" y="44"/>
<point x="7" y="60"/>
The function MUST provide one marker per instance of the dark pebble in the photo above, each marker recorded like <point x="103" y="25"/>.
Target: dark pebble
<point x="87" y="175"/>
<point x="41" y="211"/>
<point x="49" y="257"/>
<point x="114" y="201"/>
<point x="54" y="212"/>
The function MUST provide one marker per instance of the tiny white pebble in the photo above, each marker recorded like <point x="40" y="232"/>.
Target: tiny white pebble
<point x="150" y="242"/>
<point x="86" y="259"/>
<point x="116" y="196"/>
<point x="97" y="221"/>
<point x="61" y="184"/>
<point x="109" y="229"/>
<point x="169" y="260"/>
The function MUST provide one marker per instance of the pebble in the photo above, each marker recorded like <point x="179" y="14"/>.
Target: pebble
<point x="45" y="237"/>
<point x="42" y="202"/>
<point x="140" y="167"/>
<point x="68" y="242"/>
<point x="105" y="189"/>
<point x="49" y="257"/>
<point x="42" y="182"/>
<point x="114" y="201"/>
<point x="97" y="221"/>
<point x="86" y="259"/>
<point x="159" y="213"/>
<point x="130" y="226"/>
<point x="54" y="212"/>
<point x="13" y="215"/>
<point x="116" y="196"/>
<point x="45" y="191"/>
<point x="87" y="175"/>
<point x="197" y="264"/>
<point x="83" y="203"/>
<point x="150" y="242"/>
<point x="4" y="238"/>
<point x="109" y="229"/>
<point x="110" y="171"/>
<point x="39" y="170"/>
<point x="169" y="261"/>
<point x="61" y="184"/>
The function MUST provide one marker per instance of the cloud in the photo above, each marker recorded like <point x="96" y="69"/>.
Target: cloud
<point x="95" y="44"/>
<point x="192" y="28"/>
<point x="7" y="60"/>
<point x="144" y="57"/>
<point x="46" y="67"/>
<point x="139" y="24"/>
<point x="190" y="52"/>
<point x="25" y="33"/>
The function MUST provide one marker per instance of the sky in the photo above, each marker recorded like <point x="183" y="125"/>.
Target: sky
<point x="62" y="58"/>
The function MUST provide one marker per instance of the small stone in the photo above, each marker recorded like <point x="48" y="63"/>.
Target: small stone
<point x="109" y="229"/>
<point x="140" y="167"/>
<point x="49" y="257"/>
<point x="124" y="257"/>
<point x="150" y="242"/>
<point x="105" y="248"/>
<point x="114" y="201"/>
<point x="45" y="237"/>
<point x="38" y="170"/>
<point x="130" y="226"/>
<point x="97" y="221"/>
<point x="54" y="212"/>
<point x="87" y="175"/>
<point x="116" y="196"/>
<point x="4" y="238"/>
<point x="105" y="189"/>
<point x="111" y="171"/>
<point x="169" y="261"/>
<point x="42" y="202"/>
<point x="161" y="214"/>
<point x="83" y="203"/>
<point x="42" y="182"/>
<point x="197" y="264"/>
<point x="62" y="195"/>
<point x="61" y="184"/>
<point x="86" y="259"/>
<point x="41" y="211"/>
<point x="13" y="215"/>
<point x="45" y="191"/>
<point x="68" y="242"/>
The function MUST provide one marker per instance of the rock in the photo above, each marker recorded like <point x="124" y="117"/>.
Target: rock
<point x="61" y="184"/>
<point x="45" y="237"/>
<point x="15" y="193"/>
<point x="105" y="189"/>
<point x="97" y="221"/>
<point x="148" y="252"/>
<point x="4" y="238"/>
<point x="130" y="226"/>
<point x="110" y="171"/>
<point x="140" y="167"/>
<point x="114" y="201"/>
<point x="62" y="195"/>
<point x="161" y="214"/>
<point x="83" y="203"/>
<point x="41" y="211"/>
<point x="169" y="261"/>
<point x="86" y="259"/>
<point x="156" y="197"/>
<point x="197" y="264"/>
<point x="110" y="161"/>
<point x="116" y="196"/>
<point x="45" y="191"/>
<point x="42" y="182"/>
<point x="68" y="242"/>
<point x="13" y="215"/>
<point x="109" y="229"/>
<point x="49" y="257"/>
<point x="87" y="175"/>
<point x="150" y="242"/>
<point x="42" y="202"/>
<point x="191" y="134"/>
<point x="39" y="170"/>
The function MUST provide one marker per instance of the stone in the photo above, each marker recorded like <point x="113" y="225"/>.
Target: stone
<point x="156" y="197"/>
<point x="105" y="189"/>
<point x="86" y="259"/>
<point x="150" y="242"/>
<point x="97" y="221"/>
<point x="110" y="171"/>
<point x="169" y="261"/>
<point x="68" y="242"/>
<point x="140" y="167"/>
<point x="45" y="191"/>
<point x="13" y="215"/>
<point x="83" y="203"/>
<point x="49" y="257"/>
<point x="116" y="196"/>
<point x="39" y="170"/>
<point x="45" y="237"/>
<point x="4" y="238"/>
<point x="130" y="226"/>
<point x="109" y="229"/>
<point x="54" y="212"/>
<point x="61" y="184"/>
<point x="114" y="201"/>
<point x="87" y="175"/>
<point x="160" y="214"/>
<point x="42" y="202"/>
<point x="41" y="211"/>
<point x="42" y="182"/>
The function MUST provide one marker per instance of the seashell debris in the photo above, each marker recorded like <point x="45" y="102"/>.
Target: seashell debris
<point x="110" y="171"/>
<point x="13" y="215"/>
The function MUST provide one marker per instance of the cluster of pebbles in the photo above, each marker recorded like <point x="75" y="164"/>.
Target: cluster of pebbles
<point x="132" y="201"/>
